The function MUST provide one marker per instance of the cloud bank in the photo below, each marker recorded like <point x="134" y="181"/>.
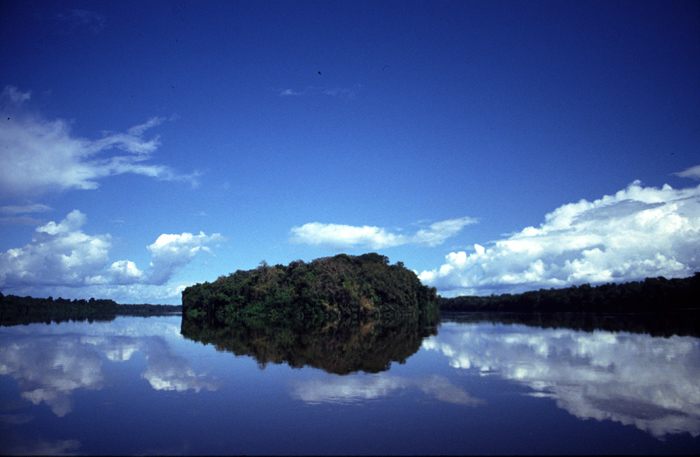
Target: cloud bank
<point x="638" y="232"/>
<point x="39" y="155"/>
<point x="372" y="237"/>
<point x="61" y="254"/>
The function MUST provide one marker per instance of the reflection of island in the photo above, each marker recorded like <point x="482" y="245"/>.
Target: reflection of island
<point x="633" y="379"/>
<point x="49" y="368"/>
<point x="368" y="346"/>
<point x="655" y="324"/>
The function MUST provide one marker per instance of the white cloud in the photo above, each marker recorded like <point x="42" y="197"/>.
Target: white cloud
<point x="170" y="251"/>
<point x="638" y="232"/>
<point x="289" y="93"/>
<point x="39" y="155"/>
<point x="340" y="235"/>
<point x="125" y="272"/>
<point x="692" y="172"/>
<point x="317" y="233"/>
<point x="59" y="254"/>
<point x="632" y="379"/>
<point x="438" y="232"/>
<point x="62" y="255"/>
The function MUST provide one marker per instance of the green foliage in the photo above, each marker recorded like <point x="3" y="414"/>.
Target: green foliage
<point x="651" y="295"/>
<point x="302" y="294"/>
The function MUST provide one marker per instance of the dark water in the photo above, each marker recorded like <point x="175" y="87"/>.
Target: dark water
<point x="137" y="386"/>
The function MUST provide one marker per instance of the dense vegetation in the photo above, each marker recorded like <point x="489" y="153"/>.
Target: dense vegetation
<point x="651" y="295"/>
<point x="307" y="295"/>
<point x="24" y="310"/>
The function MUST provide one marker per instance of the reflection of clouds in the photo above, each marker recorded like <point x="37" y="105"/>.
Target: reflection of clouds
<point x="48" y="368"/>
<point x="632" y="379"/>
<point x="61" y="447"/>
<point x="15" y="419"/>
<point x="357" y="388"/>
<point x="167" y="371"/>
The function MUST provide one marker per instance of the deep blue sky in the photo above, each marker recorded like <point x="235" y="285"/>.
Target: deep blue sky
<point x="392" y="115"/>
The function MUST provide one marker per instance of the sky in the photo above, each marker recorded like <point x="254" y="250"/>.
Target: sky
<point x="490" y="146"/>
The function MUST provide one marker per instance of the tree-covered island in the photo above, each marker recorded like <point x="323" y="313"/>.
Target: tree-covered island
<point x="341" y="314"/>
<point x="339" y="288"/>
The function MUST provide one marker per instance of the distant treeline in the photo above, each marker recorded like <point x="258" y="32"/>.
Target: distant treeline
<point x="24" y="310"/>
<point x="651" y="295"/>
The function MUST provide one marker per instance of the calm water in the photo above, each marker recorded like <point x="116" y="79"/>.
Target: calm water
<point x="136" y="385"/>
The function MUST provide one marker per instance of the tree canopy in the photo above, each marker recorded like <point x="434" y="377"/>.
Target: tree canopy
<point x="342" y="287"/>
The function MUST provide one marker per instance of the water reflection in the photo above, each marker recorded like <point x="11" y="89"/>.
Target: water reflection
<point x="368" y="346"/>
<point x="41" y="447"/>
<point x="633" y="379"/>
<point x="357" y="388"/>
<point x="49" y="368"/>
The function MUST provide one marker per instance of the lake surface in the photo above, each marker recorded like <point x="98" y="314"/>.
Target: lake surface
<point x="137" y="386"/>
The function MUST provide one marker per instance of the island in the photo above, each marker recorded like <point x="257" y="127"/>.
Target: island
<point x="331" y="289"/>
<point x="341" y="314"/>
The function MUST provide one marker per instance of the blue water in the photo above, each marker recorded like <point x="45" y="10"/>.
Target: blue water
<point x="137" y="386"/>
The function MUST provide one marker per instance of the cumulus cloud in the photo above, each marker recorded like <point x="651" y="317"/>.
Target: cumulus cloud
<point x="367" y="236"/>
<point x="39" y="155"/>
<point x="171" y="251"/>
<point x="638" y="232"/>
<point x="632" y="379"/>
<point x="61" y="254"/>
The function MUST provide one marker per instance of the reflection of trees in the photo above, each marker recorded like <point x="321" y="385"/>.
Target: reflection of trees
<point x="632" y="379"/>
<point x="368" y="346"/>
<point x="48" y="368"/>
<point x="656" y="324"/>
